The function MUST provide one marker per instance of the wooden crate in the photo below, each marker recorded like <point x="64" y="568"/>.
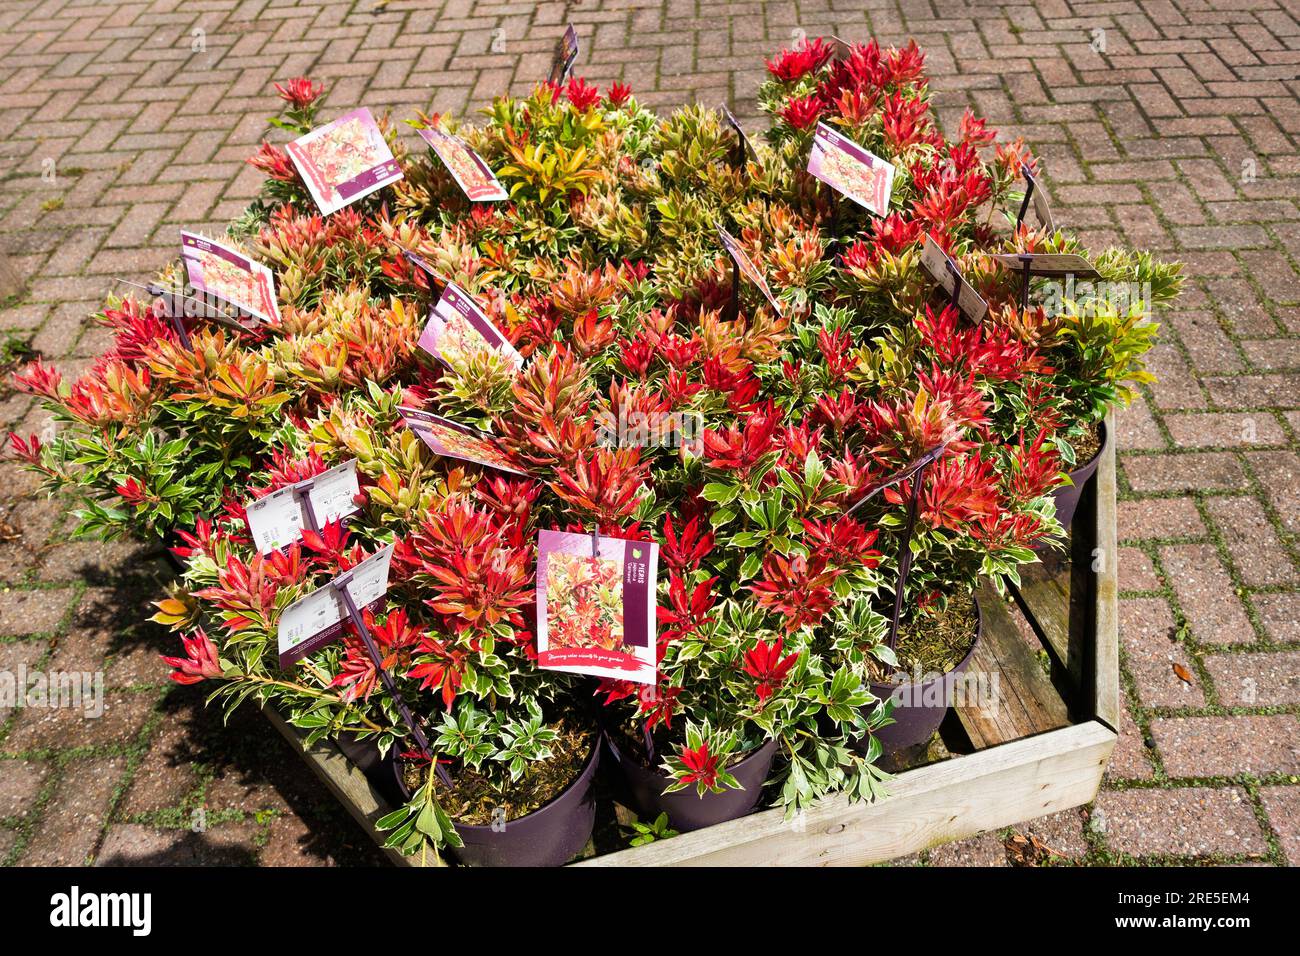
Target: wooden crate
<point x="1044" y="749"/>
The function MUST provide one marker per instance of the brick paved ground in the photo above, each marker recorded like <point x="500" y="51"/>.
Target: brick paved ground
<point x="1173" y="128"/>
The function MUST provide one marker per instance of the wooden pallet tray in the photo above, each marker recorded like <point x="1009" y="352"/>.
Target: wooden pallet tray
<point x="1055" y="653"/>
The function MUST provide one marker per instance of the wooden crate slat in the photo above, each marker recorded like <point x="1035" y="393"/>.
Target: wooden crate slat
<point x="1027" y="703"/>
<point x="952" y="800"/>
<point x="1105" y="610"/>
<point x="1044" y="595"/>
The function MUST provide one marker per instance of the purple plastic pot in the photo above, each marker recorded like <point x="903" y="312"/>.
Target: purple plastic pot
<point x="686" y="809"/>
<point x="919" y="708"/>
<point x="1066" y="498"/>
<point x="551" y="835"/>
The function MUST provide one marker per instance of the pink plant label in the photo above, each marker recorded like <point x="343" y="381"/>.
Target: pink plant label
<point x="938" y="263"/>
<point x="566" y="51"/>
<point x="221" y="272"/>
<point x="276" y="520"/>
<point x="596" y="611"/>
<point x="344" y="160"/>
<point x="474" y="177"/>
<point x="316" y="619"/>
<point x="747" y="267"/>
<point x="453" y="440"/>
<point x="850" y="170"/>
<point x="457" y="327"/>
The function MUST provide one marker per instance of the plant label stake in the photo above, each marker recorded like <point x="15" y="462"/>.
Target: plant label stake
<point x="742" y="264"/>
<point x="340" y="586"/>
<point x="742" y="147"/>
<point x="178" y="321"/>
<point x="943" y="270"/>
<point x="1030" y="184"/>
<point x="1035" y="194"/>
<point x="302" y="493"/>
<point x="1026" y="263"/>
<point x="914" y="469"/>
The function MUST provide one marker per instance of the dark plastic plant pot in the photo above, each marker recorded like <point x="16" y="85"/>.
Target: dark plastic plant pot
<point x="686" y="809"/>
<point x="551" y="835"/>
<point x="1066" y="498"/>
<point x="919" y="707"/>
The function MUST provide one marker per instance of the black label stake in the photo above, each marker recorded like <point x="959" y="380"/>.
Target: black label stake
<point x="1029" y="191"/>
<point x="955" y="301"/>
<point x="1026" y="263"/>
<point x="302" y="493"/>
<point x="340" y="585"/>
<point x="915" y="469"/>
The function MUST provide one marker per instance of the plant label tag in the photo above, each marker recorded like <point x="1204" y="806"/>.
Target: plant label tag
<point x="221" y="272"/>
<point x="840" y="49"/>
<point x="945" y="272"/>
<point x="850" y="170"/>
<point x="1053" y="265"/>
<point x="453" y="440"/>
<point x="1038" y="198"/>
<point x="596" y="612"/>
<point x="344" y="160"/>
<point x="745" y="148"/>
<point x="457" y="327"/>
<point x="566" y="51"/>
<point x="276" y="520"/>
<point x="318" y="618"/>
<point x="474" y="177"/>
<point x="746" y="266"/>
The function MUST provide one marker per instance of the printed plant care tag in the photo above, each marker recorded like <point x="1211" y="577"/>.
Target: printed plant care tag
<point x="221" y="272"/>
<point x="454" y="440"/>
<point x="596" y="613"/>
<point x="566" y="51"/>
<point x="457" y="327"/>
<point x="474" y="177"/>
<point x="1038" y="199"/>
<point x="1054" y="265"/>
<point x="850" y="170"/>
<point x="747" y="267"/>
<point x="276" y="520"/>
<point x="344" y="160"/>
<point x="318" y="618"/>
<point x="937" y="262"/>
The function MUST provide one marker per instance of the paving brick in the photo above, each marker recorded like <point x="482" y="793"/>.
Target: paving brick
<point x="1227" y="746"/>
<point x="1224" y="430"/>
<point x="1160" y="518"/>
<point x="1258" y="555"/>
<point x="1280" y="614"/>
<point x="1256" y="680"/>
<point x="1282" y="804"/>
<point x="986" y="849"/>
<point x="1136" y="572"/>
<point x="130" y="844"/>
<point x="20" y="786"/>
<point x="32" y="611"/>
<point x="1195" y="821"/>
<point x="1206" y="595"/>
<point x="1129" y="761"/>
<point x="1198" y="470"/>
<point x="71" y="826"/>
<point x="1146" y="634"/>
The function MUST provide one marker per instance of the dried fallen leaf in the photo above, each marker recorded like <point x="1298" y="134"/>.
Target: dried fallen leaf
<point x="1183" y="673"/>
